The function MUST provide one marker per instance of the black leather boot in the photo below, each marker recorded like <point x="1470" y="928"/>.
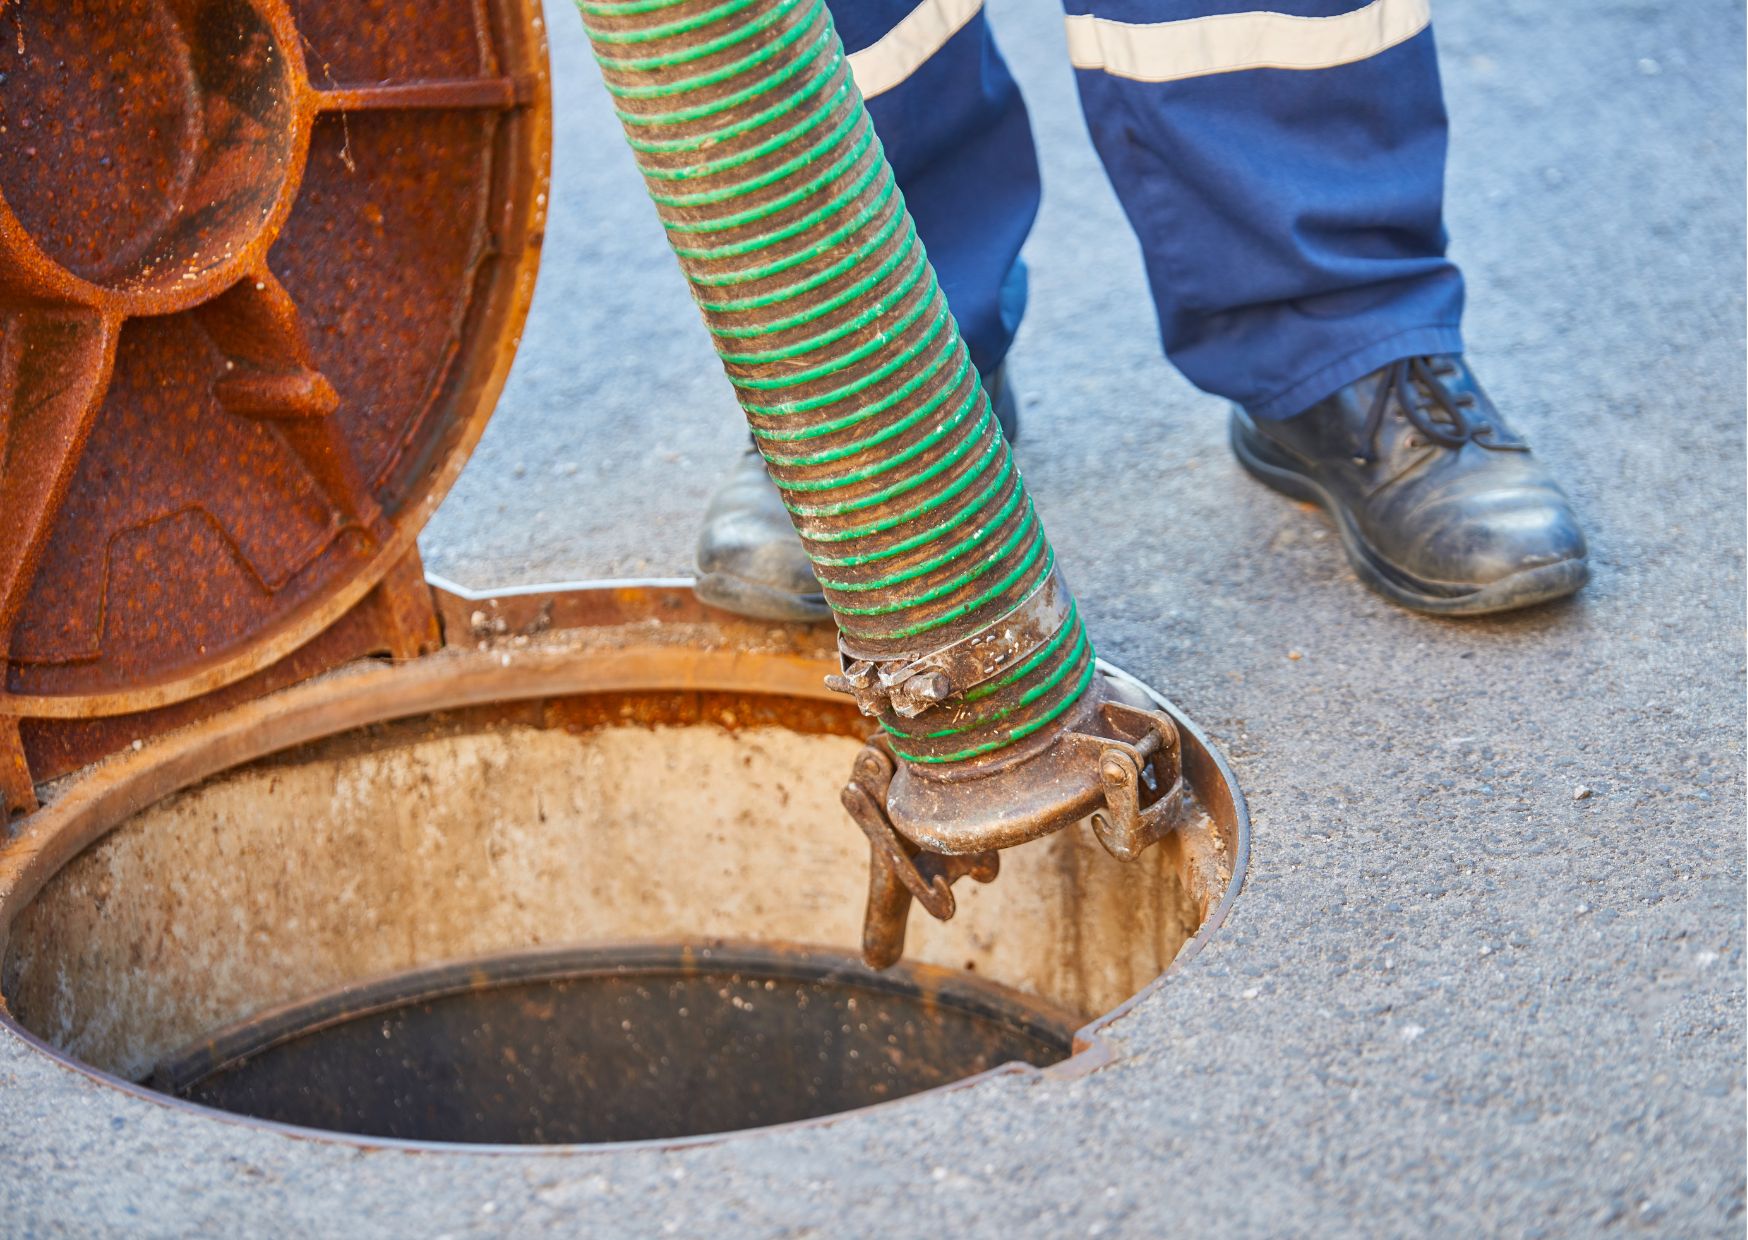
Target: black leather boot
<point x="750" y="559"/>
<point x="1440" y="506"/>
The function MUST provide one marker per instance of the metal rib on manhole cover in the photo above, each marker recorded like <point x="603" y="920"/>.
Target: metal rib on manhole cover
<point x="262" y="269"/>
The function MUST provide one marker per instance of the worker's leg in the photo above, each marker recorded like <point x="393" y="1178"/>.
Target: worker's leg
<point x="956" y="133"/>
<point x="1291" y="219"/>
<point x="1285" y="173"/>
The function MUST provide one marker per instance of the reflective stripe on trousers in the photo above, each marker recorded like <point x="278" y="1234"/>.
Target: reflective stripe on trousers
<point x="1283" y="170"/>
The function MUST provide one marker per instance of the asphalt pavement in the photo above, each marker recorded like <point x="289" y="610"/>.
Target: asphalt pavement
<point x="1486" y="974"/>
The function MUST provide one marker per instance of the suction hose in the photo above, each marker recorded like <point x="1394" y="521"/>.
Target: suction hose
<point x="956" y="630"/>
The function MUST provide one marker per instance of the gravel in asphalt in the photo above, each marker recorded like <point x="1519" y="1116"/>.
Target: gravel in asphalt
<point x="1486" y="975"/>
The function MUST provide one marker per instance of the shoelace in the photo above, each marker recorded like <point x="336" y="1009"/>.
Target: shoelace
<point x="1405" y="380"/>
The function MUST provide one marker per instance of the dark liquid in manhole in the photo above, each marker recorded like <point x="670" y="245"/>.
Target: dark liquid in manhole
<point x="613" y="1045"/>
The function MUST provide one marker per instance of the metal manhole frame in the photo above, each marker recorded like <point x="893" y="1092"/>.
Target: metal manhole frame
<point x="85" y="807"/>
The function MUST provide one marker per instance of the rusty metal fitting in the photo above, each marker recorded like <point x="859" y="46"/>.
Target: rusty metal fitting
<point x="1117" y="760"/>
<point x="1111" y="758"/>
<point x="899" y="871"/>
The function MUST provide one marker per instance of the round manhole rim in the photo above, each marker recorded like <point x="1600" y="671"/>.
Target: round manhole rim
<point x="457" y="682"/>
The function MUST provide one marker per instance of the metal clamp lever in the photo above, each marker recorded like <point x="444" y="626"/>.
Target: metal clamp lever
<point x="899" y="871"/>
<point x="1138" y="762"/>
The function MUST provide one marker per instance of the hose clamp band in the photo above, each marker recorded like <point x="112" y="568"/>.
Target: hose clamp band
<point x="910" y="683"/>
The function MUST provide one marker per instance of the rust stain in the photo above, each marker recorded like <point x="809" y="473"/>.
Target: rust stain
<point x="265" y="262"/>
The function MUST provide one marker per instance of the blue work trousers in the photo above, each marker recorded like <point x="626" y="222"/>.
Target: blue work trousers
<point x="1282" y="169"/>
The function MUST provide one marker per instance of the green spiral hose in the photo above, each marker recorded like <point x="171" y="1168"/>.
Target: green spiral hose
<point x="777" y="198"/>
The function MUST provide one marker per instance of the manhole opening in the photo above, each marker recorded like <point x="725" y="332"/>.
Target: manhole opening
<point x="623" y="1044"/>
<point x="417" y="927"/>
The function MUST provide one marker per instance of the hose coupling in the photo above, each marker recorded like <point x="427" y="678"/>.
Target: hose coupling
<point x="1117" y="760"/>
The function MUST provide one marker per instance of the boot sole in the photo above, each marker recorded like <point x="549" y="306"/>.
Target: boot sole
<point x="760" y="602"/>
<point x="1525" y="589"/>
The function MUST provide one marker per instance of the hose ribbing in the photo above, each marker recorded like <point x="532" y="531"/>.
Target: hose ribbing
<point x="777" y="198"/>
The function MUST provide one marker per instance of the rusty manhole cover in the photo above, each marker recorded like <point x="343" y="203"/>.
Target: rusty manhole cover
<point x="262" y="268"/>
